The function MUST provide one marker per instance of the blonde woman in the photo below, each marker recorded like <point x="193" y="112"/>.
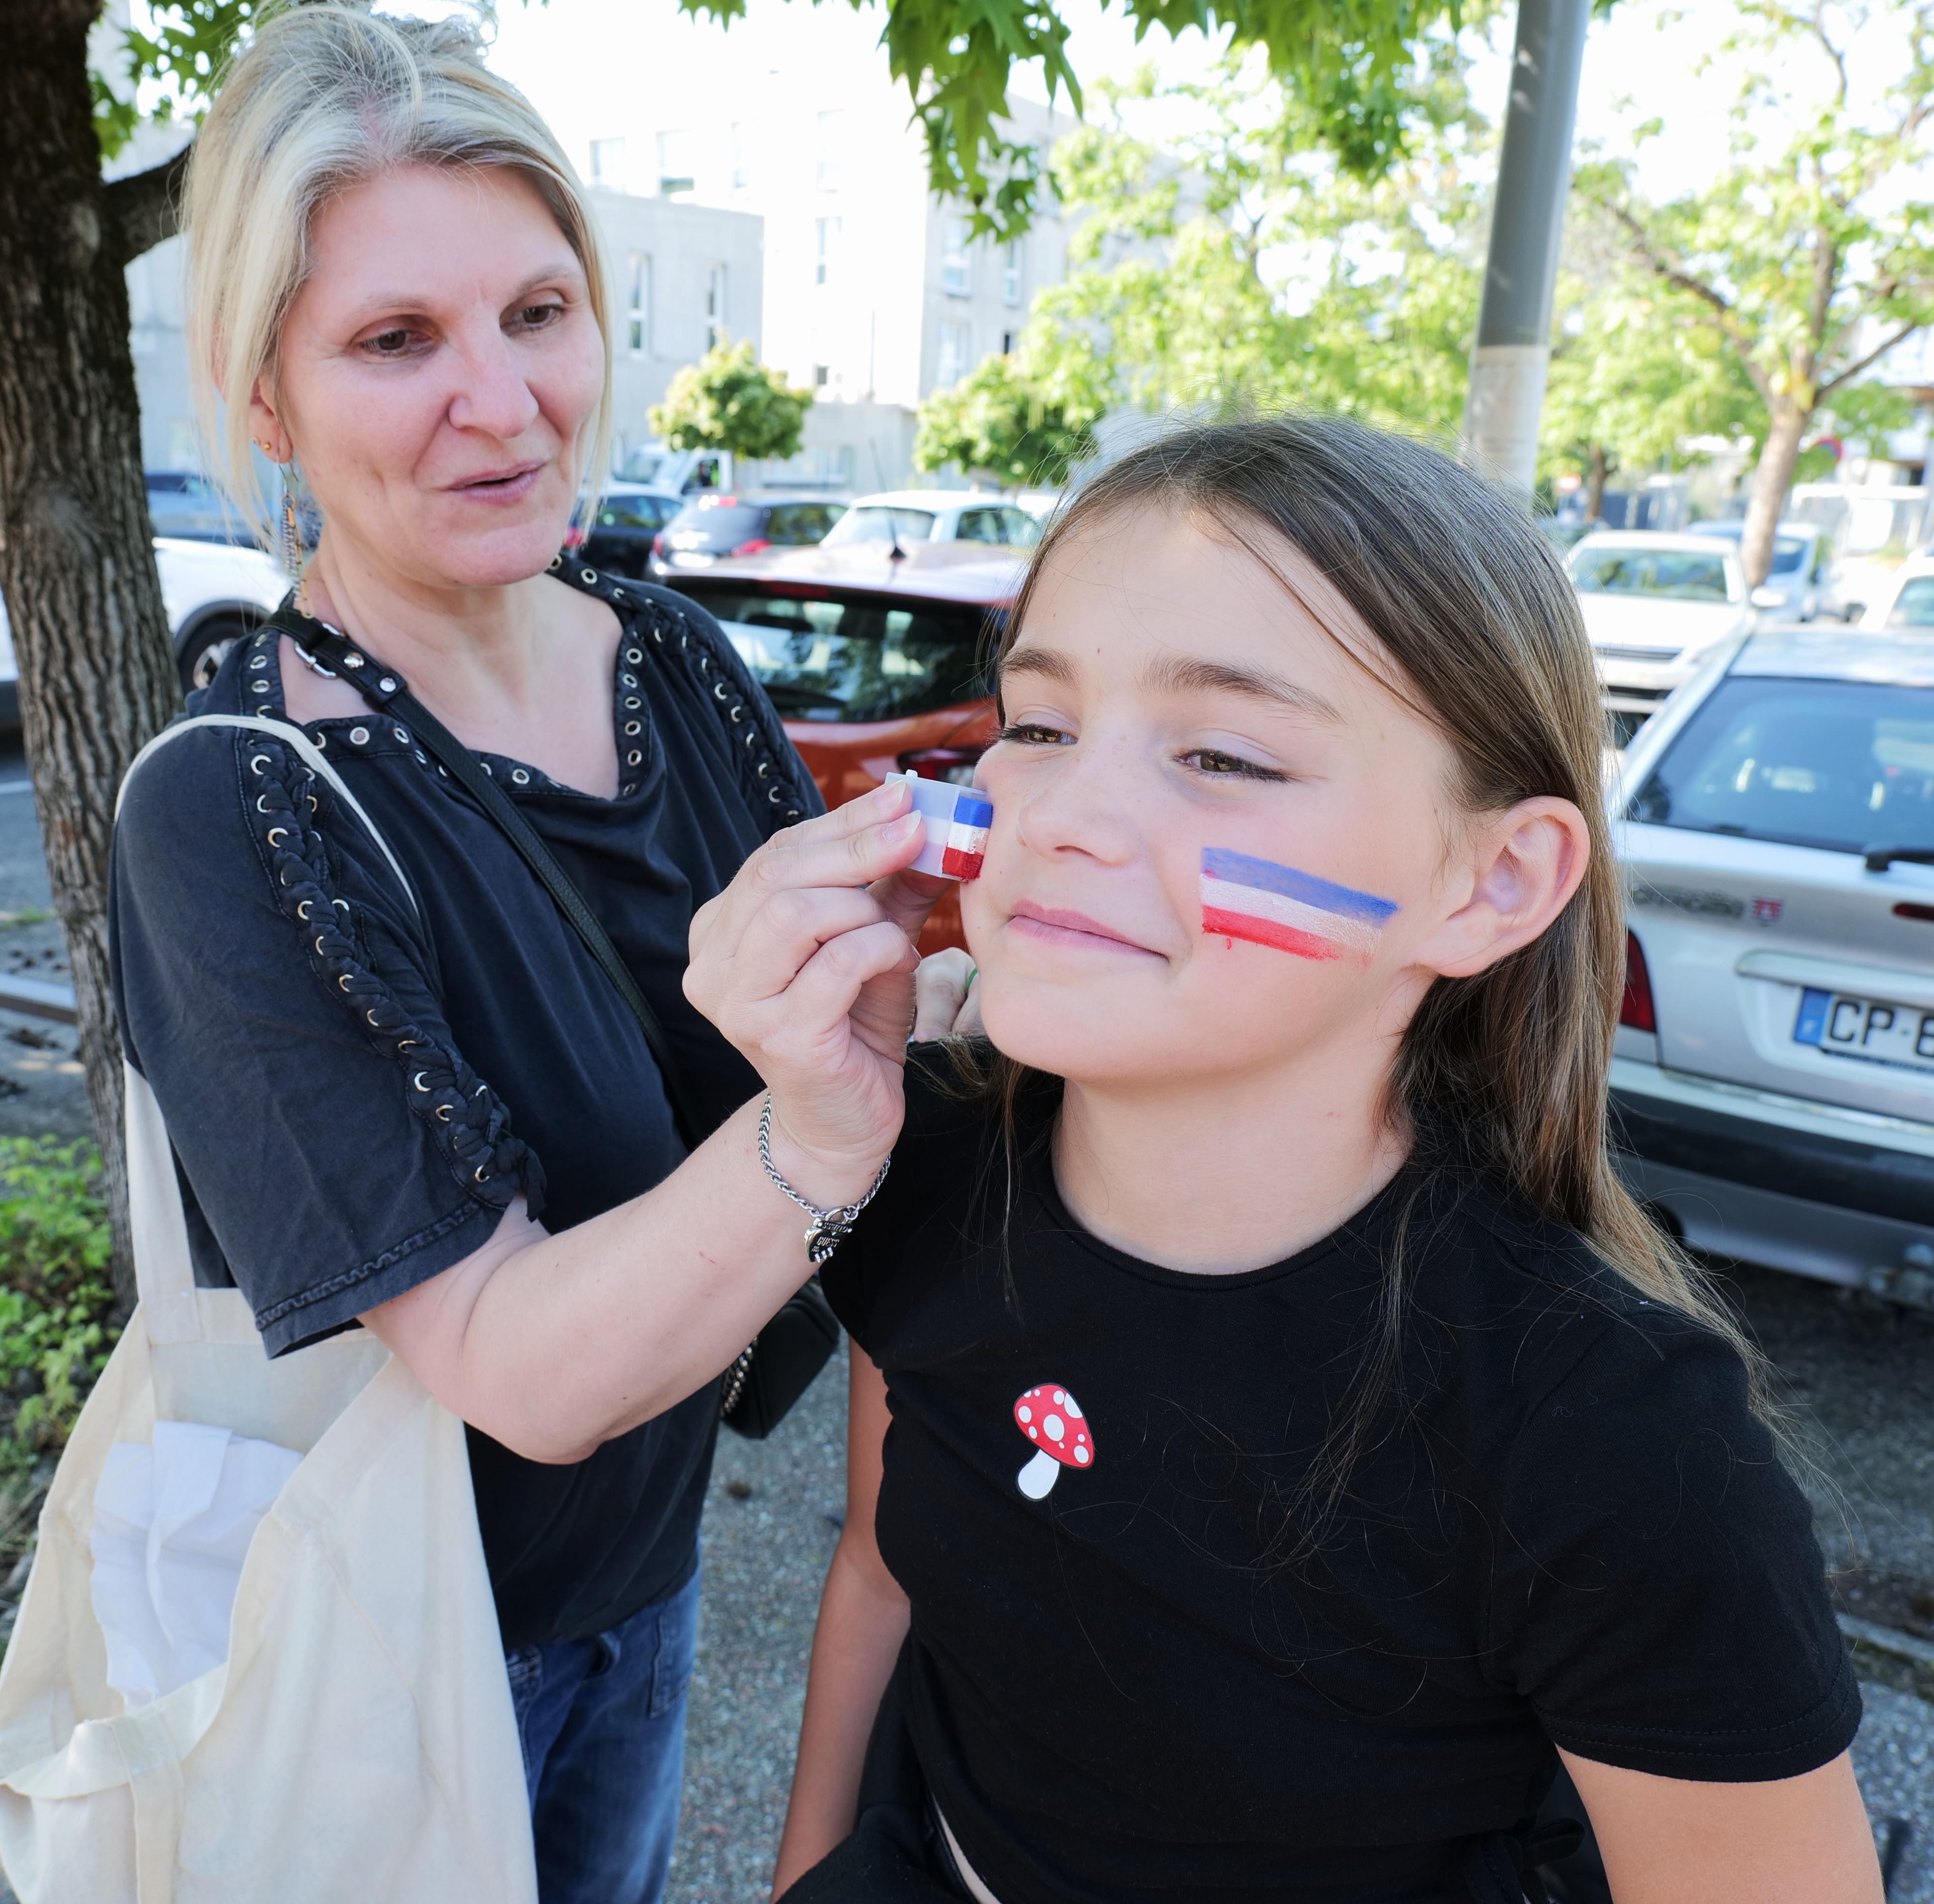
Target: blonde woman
<point x="440" y="1120"/>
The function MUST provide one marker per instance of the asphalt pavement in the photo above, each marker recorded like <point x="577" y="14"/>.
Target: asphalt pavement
<point x="1858" y="1377"/>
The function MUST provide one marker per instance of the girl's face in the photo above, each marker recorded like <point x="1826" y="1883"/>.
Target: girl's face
<point x="1220" y="845"/>
<point x="437" y="373"/>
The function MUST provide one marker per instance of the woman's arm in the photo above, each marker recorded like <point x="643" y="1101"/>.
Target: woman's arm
<point x="1679" y="1841"/>
<point x="862" y="1620"/>
<point x="552" y="1344"/>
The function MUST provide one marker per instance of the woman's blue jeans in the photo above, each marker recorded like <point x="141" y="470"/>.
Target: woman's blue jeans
<point x="602" y="1725"/>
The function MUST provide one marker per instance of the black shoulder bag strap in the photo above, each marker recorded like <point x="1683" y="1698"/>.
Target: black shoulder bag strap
<point x="388" y="692"/>
<point x="782" y="1360"/>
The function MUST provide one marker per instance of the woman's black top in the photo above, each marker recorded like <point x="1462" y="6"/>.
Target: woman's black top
<point x="353" y="1109"/>
<point x="1184" y="1674"/>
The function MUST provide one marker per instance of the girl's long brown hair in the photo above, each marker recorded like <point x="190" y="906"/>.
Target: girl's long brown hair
<point x="1510" y="1066"/>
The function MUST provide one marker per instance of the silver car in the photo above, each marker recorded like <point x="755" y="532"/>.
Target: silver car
<point x="1803" y="581"/>
<point x="1655" y="607"/>
<point x="1774" y="1074"/>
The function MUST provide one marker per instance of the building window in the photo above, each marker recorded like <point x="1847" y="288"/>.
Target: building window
<point x="1010" y="272"/>
<point x="741" y="163"/>
<point x="819" y="376"/>
<point x="715" y="306"/>
<point x="954" y="346"/>
<point x="954" y="276"/>
<point x="826" y="233"/>
<point x="831" y="149"/>
<point x="677" y="169"/>
<point x="608" y="163"/>
<point x="639" y="316"/>
<point x="1009" y="339"/>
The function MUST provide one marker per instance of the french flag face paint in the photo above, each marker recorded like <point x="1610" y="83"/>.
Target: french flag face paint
<point x="957" y="819"/>
<point x="1272" y="905"/>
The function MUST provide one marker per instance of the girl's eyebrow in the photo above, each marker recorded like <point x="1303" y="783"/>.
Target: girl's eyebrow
<point x="1190" y="673"/>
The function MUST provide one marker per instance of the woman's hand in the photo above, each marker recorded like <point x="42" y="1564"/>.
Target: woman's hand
<point x="810" y="975"/>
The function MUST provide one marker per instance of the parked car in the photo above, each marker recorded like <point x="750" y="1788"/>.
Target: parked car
<point x="876" y="665"/>
<point x="1805" y="574"/>
<point x="213" y="593"/>
<point x="1655" y="607"/>
<point x="1907" y="600"/>
<point x="1774" y="1074"/>
<point x="629" y="517"/>
<point x="710" y="528"/>
<point x="189" y="507"/>
<point x="904" y="516"/>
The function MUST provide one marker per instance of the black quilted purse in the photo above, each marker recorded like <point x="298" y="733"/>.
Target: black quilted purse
<point x="778" y="1365"/>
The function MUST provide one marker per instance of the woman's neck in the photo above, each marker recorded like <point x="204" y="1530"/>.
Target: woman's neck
<point x="1222" y="1174"/>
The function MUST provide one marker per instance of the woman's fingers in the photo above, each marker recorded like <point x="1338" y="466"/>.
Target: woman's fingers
<point x="907" y="898"/>
<point x="777" y="941"/>
<point x="944" y="1003"/>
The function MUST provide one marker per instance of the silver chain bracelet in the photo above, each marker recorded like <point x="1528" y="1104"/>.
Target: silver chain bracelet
<point x="829" y="1228"/>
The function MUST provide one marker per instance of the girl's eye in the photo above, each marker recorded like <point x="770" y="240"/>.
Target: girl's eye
<point x="1035" y="733"/>
<point x="1217" y="765"/>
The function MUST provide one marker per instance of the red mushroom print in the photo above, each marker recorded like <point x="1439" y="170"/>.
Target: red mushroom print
<point x="1052" y="1419"/>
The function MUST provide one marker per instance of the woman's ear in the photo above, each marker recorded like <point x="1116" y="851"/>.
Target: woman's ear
<point x="265" y="426"/>
<point x="1524" y="865"/>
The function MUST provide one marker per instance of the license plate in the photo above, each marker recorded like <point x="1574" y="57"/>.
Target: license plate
<point x="1868" y="1028"/>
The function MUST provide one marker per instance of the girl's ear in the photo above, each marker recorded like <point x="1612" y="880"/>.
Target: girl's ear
<point x="1524" y="865"/>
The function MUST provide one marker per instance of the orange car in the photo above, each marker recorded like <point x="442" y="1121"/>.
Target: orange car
<point x="875" y="658"/>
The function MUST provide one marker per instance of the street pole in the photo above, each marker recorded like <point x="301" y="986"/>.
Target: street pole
<point x="1513" y="347"/>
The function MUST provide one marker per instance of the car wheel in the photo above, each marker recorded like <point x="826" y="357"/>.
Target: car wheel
<point x="204" y="651"/>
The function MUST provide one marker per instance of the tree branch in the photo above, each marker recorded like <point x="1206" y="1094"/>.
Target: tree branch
<point x="145" y="207"/>
<point x="1873" y="356"/>
<point x="1684" y="281"/>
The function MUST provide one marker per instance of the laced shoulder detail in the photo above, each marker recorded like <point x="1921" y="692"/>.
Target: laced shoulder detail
<point x="470" y="1125"/>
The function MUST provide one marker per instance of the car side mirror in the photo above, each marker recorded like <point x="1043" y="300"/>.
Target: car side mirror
<point x="1768" y="598"/>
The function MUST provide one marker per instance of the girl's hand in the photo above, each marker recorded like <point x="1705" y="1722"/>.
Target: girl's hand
<point x="811" y="975"/>
<point x="946" y="1005"/>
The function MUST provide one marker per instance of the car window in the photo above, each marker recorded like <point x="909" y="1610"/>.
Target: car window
<point x="634" y="512"/>
<point x="796" y="524"/>
<point x="979" y="526"/>
<point x="1789" y="552"/>
<point x="1668" y="574"/>
<point x="704" y="524"/>
<point x="876" y="522"/>
<point x="1914" y="607"/>
<point x="1019" y="529"/>
<point x="1844" y="764"/>
<point x="838" y="656"/>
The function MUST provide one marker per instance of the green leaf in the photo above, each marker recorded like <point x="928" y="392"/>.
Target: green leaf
<point x="729" y="401"/>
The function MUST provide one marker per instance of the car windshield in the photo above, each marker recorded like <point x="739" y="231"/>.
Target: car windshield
<point x="1671" y="575"/>
<point x="635" y="512"/>
<point x="646" y="466"/>
<point x="1914" y="607"/>
<point x="1843" y="764"/>
<point x="878" y="523"/>
<point x="835" y="655"/>
<point x="699" y="524"/>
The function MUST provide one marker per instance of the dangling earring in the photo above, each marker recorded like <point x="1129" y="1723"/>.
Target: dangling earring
<point x="292" y="544"/>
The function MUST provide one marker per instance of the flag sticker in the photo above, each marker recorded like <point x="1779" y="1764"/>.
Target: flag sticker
<point x="1272" y="905"/>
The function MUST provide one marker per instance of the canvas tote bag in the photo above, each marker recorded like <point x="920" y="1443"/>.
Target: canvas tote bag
<point x="358" y="1742"/>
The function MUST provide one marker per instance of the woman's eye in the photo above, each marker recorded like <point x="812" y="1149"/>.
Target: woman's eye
<point x="1036" y="733"/>
<point x="389" y="343"/>
<point x="1221" y="766"/>
<point x="536" y="316"/>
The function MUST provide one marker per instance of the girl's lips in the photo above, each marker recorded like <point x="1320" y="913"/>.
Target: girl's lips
<point x="1055" y="925"/>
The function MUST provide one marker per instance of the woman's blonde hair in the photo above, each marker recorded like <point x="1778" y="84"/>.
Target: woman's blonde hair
<point x="1506" y="1072"/>
<point x="323" y="97"/>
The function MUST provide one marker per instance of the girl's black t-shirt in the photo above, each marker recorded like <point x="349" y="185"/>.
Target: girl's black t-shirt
<point x="351" y="1111"/>
<point x="1179" y="1674"/>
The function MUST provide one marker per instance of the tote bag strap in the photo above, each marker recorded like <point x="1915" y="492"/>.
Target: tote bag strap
<point x="164" y="1269"/>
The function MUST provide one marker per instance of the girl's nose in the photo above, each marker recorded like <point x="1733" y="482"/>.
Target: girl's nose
<point x="1087" y="806"/>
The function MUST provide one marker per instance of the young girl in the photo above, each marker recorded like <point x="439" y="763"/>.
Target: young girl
<point x="1276" y="1437"/>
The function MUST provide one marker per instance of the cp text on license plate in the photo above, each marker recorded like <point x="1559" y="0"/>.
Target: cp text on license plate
<point x="1868" y="1028"/>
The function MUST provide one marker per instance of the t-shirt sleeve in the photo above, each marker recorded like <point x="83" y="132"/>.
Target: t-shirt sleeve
<point x="1659" y="1597"/>
<point x="277" y="992"/>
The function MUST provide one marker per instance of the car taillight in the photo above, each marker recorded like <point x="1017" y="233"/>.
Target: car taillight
<point x="658" y="545"/>
<point x="1635" y="1008"/>
<point x="752" y="547"/>
<point x="954" y="764"/>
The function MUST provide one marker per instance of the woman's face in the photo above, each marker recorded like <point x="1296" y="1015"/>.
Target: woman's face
<point x="1219" y="843"/>
<point x="437" y="373"/>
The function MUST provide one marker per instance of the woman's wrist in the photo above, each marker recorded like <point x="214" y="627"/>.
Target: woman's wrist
<point x="826" y="1177"/>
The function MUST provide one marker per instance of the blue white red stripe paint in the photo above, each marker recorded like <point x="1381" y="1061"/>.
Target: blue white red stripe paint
<point x="956" y="820"/>
<point x="1295" y="911"/>
<point x="967" y="837"/>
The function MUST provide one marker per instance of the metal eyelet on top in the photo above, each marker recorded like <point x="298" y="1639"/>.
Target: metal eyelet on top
<point x="518" y="774"/>
<point x="260" y="661"/>
<point x="587" y="574"/>
<point x="261" y="803"/>
<point x="631" y="727"/>
<point x="634" y="655"/>
<point x="402" y="734"/>
<point x="302" y="911"/>
<point x="483" y="1175"/>
<point x="772" y="795"/>
<point x="488" y="768"/>
<point x="738" y="710"/>
<point x="418" y="1081"/>
<point x="719" y="691"/>
<point x="632" y="759"/>
<point x="765" y="767"/>
<point x="277" y="834"/>
<point x="632" y="700"/>
<point x="358" y="735"/>
<point x="627" y="681"/>
<point x="631" y="786"/>
<point x="443" y="1112"/>
<point x="259" y="687"/>
<point x="344" y="982"/>
<point x="257" y="762"/>
<point x="388" y="684"/>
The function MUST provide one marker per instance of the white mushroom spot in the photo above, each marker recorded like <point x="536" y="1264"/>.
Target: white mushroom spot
<point x="1034" y="1434"/>
<point x="1025" y="1414"/>
<point x="1081" y="1455"/>
<point x="1060" y="1398"/>
<point x="1056" y="1427"/>
<point x="1073" y="1407"/>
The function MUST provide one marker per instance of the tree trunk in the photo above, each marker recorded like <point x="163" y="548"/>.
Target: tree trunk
<point x="1596" y="470"/>
<point x="77" y="557"/>
<point x="1771" y="481"/>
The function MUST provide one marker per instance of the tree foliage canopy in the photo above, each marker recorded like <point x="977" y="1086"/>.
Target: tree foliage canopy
<point x="728" y="400"/>
<point x="998" y="421"/>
